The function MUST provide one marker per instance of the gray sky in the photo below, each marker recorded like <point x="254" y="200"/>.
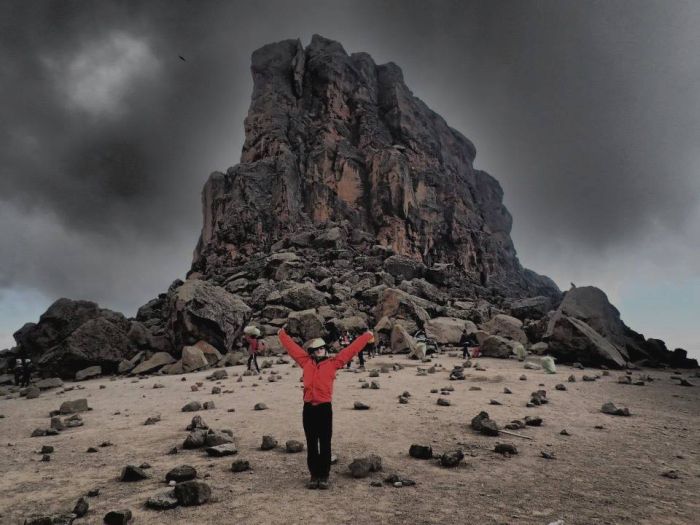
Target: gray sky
<point x="588" y="114"/>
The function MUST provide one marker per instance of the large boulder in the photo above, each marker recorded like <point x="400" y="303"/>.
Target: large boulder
<point x="572" y="340"/>
<point x="211" y="354"/>
<point x="355" y="324"/>
<point x="302" y="297"/>
<point x="531" y="307"/>
<point x="506" y="326"/>
<point x="101" y="341"/>
<point x="497" y="346"/>
<point x="199" y="310"/>
<point x="396" y="303"/>
<point x="193" y="359"/>
<point x="87" y="373"/>
<point x="448" y="330"/>
<point x="155" y="363"/>
<point x="401" y="342"/>
<point x="422" y="288"/>
<point x="404" y="268"/>
<point x="306" y="324"/>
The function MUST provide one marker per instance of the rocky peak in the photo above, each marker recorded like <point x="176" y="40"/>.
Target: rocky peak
<point x="335" y="139"/>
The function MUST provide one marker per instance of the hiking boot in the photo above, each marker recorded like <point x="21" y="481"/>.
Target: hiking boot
<point x="323" y="484"/>
<point x="312" y="484"/>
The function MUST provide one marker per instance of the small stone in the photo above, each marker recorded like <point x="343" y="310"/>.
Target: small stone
<point x="523" y="377"/>
<point x="189" y="493"/>
<point x="588" y="378"/>
<point x="47" y="449"/>
<point x="192" y="406"/>
<point x="216" y="390"/>
<point x="403" y="400"/>
<point x="81" y="507"/>
<point x="564" y="432"/>
<point x="560" y="386"/>
<point x="671" y="474"/>
<point x="374" y="385"/>
<point x="685" y="382"/>
<point x="145" y="465"/>
<point x="209" y="405"/>
<point x="572" y="378"/>
<point x="268" y="443"/>
<point x="132" y="473"/>
<point x="172" y="451"/>
<point x="118" y="517"/>
<point x="443" y="402"/>
<point x="152" y="420"/>
<point x="451" y="459"/>
<point x="292" y="446"/>
<point x="359" y="405"/>
<point x="226" y="449"/>
<point x="494" y="402"/>
<point x="163" y="501"/>
<point x="45" y="457"/>
<point x="375" y="484"/>
<point x="474" y="388"/>
<point x="505" y="448"/>
<point x="158" y="385"/>
<point x="93" y="493"/>
<point x="533" y="421"/>
<point x="433" y="390"/>
<point x="181" y="473"/>
<point x="611" y="409"/>
<point x="420" y="451"/>
<point x="547" y="455"/>
<point x="260" y="406"/>
<point x="240" y="465"/>
<point x="507" y="390"/>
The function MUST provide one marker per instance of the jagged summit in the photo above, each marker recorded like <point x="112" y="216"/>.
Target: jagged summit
<point x="336" y="140"/>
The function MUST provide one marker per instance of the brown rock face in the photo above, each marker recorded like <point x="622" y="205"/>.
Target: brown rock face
<point x="335" y="139"/>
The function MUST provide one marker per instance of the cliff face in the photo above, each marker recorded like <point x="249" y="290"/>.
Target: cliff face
<point x="334" y="139"/>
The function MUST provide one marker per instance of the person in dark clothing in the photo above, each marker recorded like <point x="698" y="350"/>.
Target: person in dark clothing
<point x="254" y="347"/>
<point x="18" y="372"/>
<point x="467" y="341"/>
<point x="26" y="372"/>
<point x="319" y="370"/>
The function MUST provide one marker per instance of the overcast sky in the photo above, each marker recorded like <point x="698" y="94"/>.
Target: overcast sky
<point x="588" y="113"/>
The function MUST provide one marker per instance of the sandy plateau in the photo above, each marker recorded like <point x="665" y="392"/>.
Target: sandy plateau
<point x="612" y="474"/>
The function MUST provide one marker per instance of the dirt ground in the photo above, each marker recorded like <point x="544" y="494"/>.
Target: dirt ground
<point x="600" y="476"/>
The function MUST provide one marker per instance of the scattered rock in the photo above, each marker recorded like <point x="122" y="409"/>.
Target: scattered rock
<point x="507" y="390"/>
<point x="420" y="451"/>
<point x="494" y="402"/>
<point x="452" y="458"/>
<point x="523" y="377"/>
<point x="483" y="424"/>
<point x="218" y="451"/>
<point x="81" y="507"/>
<point x="197" y="423"/>
<point x="46" y="449"/>
<point x="192" y="406"/>
<point x="163" y="501"/>
<point x="533" y="421"/>
<point x="560" y="386"/>
<point x="118" y="517"/>
<point x="611" y="409"/>
<point x="181" y="473"/>
<point x="359" y="405"/>
<point x="268" y="443"/>
<point x="132" y="473"/>
<point x="152" y="420"/>
<point x="87" y="373"/>
<point x="240" y="465"/>
<point x="362" y="467"/>
<point x="547" y="455"/>
<point x="189" y="493"/>
<point x="209" y="405"/>
<point x="74" y="406"/>
<point x="293" y="446"/>
<point x="260" y="406"/>
<point x="505" y="448"/>
<point x="671" y="474"/>
<point x="443" y="402"/>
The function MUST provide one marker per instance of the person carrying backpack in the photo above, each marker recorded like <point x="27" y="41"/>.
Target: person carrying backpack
<point x="255" y="346"/>
<point x="319" y="372"/>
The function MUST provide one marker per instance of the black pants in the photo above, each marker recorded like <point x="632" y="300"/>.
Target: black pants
<point x="26" y="376"/>
<point x="253" y="358"/>
<point x="465" y="351"/>
<point x="318" y="427"/>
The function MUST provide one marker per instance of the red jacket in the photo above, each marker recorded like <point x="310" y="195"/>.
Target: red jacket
<point x="319" y="377"/>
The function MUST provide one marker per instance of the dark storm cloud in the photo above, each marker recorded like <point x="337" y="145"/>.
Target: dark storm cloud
<point x="586" y="112"/>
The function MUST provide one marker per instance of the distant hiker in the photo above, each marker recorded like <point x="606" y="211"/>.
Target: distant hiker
<point x="360" y="354"/>
<point x="255" y="346"/>
<point x="371" y="348"/>
<point x="319" y="370"/>
<point x="468" y="341"/>
<point x="18" y="371"/>
<point x="26" y="371"/>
